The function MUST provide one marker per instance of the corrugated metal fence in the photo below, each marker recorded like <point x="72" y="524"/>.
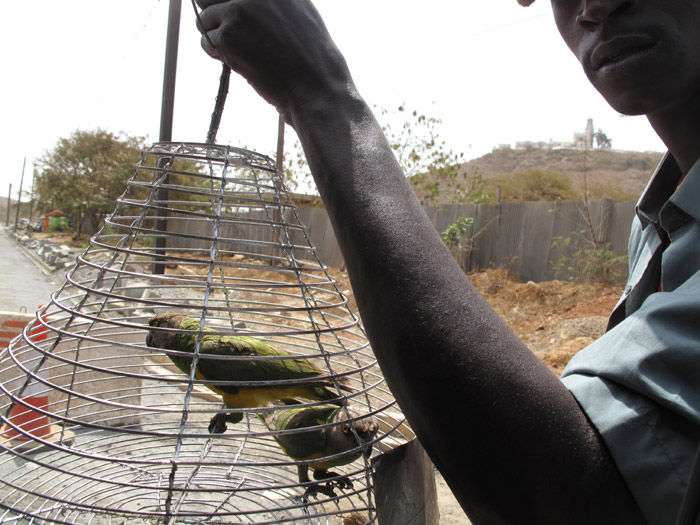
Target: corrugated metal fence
<point x="517" y="235"/>
<point x="520" y="235"/>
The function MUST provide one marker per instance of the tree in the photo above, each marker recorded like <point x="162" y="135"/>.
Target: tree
<point x="457" y="238"/>
<point x="416" y="142"/>
<point x="432" y="169"/>
<point x="602" y="140"/>
<point x="607" y="190"/>
<point x="537" y="185"/>
<point x="85" y="173"/>
<point x="297" y="175"/>
<point x="586" y="254"/>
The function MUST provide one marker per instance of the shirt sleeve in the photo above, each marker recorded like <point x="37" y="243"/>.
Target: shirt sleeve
<point x="639" y="385"/>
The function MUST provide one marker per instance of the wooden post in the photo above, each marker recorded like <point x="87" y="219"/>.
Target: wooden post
<point x="9" y="201"/>
<point x="19" y="196"/>
<point x="166" y="123"/>
<point x="404" y="481"/>
<point x="31" y="197"/>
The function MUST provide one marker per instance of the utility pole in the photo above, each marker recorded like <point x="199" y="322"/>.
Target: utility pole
<point x="166" y="126"/>
<point x="31" y="198"/>
<point x="280" y="145"/>
<point x="19" y="195"/>
<point x="171" y="46"/>
<point x="9" y="201"/>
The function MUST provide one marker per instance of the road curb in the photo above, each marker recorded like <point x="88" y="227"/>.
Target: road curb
<point x="46" y="268"/>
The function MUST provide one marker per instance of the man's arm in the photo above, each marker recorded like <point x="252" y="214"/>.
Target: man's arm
<point x="510" y="440"/>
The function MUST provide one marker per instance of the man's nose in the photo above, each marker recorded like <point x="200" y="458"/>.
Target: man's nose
<point x="595" y="12"/>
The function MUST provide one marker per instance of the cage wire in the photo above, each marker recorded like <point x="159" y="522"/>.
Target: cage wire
<point x="99" y="427"/>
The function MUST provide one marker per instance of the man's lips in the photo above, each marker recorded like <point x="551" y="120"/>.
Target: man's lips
<point x="618" y="49"/>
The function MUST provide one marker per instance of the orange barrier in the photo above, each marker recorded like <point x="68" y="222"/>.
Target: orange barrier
<point x="27" y="423"/>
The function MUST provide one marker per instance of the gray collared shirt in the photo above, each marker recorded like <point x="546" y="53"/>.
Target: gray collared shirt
<point x="640" y="383"/>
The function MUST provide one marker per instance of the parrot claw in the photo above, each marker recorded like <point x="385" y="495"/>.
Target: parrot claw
<point x="217" y="424"/>
<point x="318" y="488"/>
<point x="327" y="488"/>
<point x="343" y="483"/>
<point x="333" y="480"/>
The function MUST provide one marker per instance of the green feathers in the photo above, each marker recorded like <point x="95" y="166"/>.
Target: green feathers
<point x="325" y="435"/>
<point x="241" y="381"/>
<point x="248" y="376"/>
<point x="238" y="370"/>
<point x="318" y="432"/>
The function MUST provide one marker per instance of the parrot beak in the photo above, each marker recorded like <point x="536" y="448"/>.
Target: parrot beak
<point x="149" y="340"/>
<point x="367" y="452"/>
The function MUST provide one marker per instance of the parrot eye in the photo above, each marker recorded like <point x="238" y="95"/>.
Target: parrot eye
<point x="346" y="429"/>
<point x="155" y="322"/>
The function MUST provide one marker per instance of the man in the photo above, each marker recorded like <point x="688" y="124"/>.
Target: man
<point x="509" y="437"/>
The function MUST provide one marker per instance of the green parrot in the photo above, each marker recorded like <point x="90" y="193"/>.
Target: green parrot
<point x="351" y="432"/>
<point x="316" y="389"/>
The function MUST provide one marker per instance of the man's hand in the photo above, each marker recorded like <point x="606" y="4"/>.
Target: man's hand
<point x="282" y="48"/>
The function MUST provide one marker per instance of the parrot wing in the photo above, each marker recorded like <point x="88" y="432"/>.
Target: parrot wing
<point x="250" y="370"/>
<point x="301" y="445"/>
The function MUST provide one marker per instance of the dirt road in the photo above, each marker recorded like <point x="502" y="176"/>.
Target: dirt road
<point x="23" y="286"/>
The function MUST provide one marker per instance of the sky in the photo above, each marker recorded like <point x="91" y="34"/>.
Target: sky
<point x="492" y="71"/>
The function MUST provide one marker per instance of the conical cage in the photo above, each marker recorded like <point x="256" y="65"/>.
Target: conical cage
<point x="100" y="425"/>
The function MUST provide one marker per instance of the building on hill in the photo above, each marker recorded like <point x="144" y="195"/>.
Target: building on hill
<point x="585" y="140"/>
<point x="582" y="140"/>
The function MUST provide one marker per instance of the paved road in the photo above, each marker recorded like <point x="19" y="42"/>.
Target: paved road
<point x="22" y="284"/>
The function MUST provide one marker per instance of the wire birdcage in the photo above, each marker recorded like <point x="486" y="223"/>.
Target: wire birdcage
<point x="120" y="434"/>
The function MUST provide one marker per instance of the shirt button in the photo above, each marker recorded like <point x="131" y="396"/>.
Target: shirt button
<point x="628" y="290"/>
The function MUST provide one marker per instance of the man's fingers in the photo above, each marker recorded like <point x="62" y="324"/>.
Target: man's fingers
<point x="209" y="19"/>
<point x="207" y="42"/>
<point x="203" y="4"/>
<point x="208" y="23"/>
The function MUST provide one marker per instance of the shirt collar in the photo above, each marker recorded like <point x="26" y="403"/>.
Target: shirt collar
<point x="687" y="196"/>
<point x="659" y="189"/>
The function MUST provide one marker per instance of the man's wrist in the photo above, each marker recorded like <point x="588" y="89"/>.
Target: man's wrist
<point x="340" y="102"/>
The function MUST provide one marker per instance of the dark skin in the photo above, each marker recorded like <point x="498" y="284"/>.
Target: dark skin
<point x="508" y="437"/>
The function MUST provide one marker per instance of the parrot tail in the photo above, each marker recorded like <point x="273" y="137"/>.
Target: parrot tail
<point x="329" y="390"/>
<point x="343" y="383"/>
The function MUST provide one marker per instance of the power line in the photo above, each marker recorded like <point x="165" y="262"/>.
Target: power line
<point x="510" y="24"/>
<point x="148" y="19"/>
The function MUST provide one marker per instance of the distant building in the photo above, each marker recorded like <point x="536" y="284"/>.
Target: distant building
<point x="582" y="140"/>
<point x="585" y="140"/>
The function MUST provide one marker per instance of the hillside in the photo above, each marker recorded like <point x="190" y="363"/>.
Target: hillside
<point x="620" y="175"/>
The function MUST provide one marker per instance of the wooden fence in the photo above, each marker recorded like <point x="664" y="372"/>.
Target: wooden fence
<point x="517" y="235"/>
